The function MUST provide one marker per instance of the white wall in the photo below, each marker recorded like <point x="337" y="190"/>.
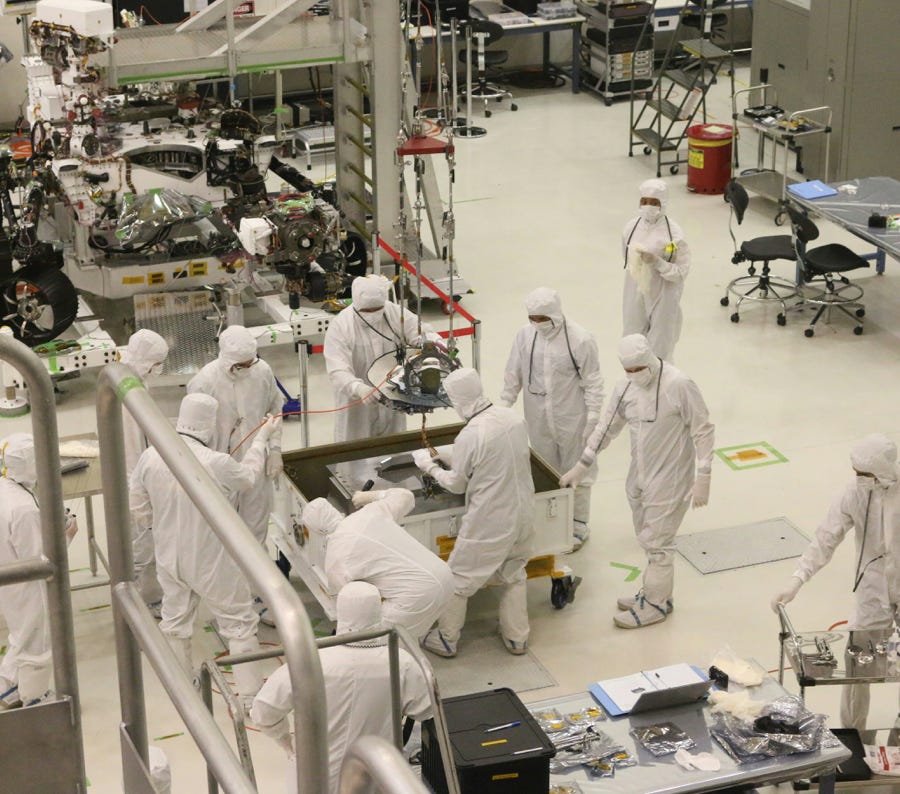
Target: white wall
<point x="12" y="75"/>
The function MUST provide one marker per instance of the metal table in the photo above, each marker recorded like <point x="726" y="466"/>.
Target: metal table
<point x="535" y="25"/>
<point x="87" y="483"/>
<point x="664" y="776"/>
<point x="879" y="194"/>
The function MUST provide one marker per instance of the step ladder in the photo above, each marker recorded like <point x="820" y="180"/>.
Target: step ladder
<point x="660" y="121"/>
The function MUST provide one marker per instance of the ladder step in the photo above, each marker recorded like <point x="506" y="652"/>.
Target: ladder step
<point x="664" y="106"/>
<point x="687" y="80"/>
<point x="656" y="142"/>
<point x="702" y="48"/>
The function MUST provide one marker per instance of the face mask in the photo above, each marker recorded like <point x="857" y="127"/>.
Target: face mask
<point x="241" y="374"/>
<point x="155" y="371"/>
<point x="642" y="378"/>
<point x="544" y="327"/>
<point x="650" y="212"/>
<point x="865" y="484"/>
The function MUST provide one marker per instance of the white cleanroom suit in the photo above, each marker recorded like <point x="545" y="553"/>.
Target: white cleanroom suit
<point x="357" y="686"/>
<point x="363" y="332"/>
<point x="370" y="546"/>
<point x="870" y="505"/>
<point x="25" y="668"/>
<point x="145" y="354"/>
<point x="191" y="561"/>
<point x="670" y="430"/>
<point x="655" y="272"/>
<point x="556" y="366"/>
<point x="492" y="466"/>
<point x="245" y="395"/>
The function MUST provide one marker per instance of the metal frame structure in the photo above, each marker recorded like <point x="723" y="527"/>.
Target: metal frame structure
<point x="53" y="568"/>
<point x="396" y="636"/>
<point x="136" y="631"/>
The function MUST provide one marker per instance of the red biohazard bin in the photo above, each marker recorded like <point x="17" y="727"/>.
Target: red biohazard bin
<point x="709" y="157"/>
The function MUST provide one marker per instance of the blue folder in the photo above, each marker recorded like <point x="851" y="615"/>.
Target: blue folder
<point x="813" y="189"/>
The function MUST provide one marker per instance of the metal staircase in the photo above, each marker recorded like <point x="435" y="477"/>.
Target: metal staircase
<point x="659" y="123"/>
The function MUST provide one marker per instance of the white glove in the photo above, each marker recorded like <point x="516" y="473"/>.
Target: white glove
<point x="648" y="256"/>
<point x="423" y="459"/>
<point x="265" y="431"/>
<point x="573" y="477"/>
<point x="274" y="464"/>
<point x="787" y="595"/>
<point x="700" y="494"/>
<point x="364" y="392"/>
<point x="71" y="527"/>
<point x="363" y="498"/>
<point x="506" y="404"/>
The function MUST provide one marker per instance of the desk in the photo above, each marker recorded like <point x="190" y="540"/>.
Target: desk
<point x="879" y="194"/>
<point x="86" y="483"/>
<point x="536" y="25"/>
<point x="664" y="776"/>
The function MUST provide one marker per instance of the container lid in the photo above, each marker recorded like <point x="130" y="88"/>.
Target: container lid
<point x="710" y="132"/>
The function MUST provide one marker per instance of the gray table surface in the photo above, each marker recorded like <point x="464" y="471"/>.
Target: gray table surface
<point x="84" y="482"/>
<point x="664" y="776"/>
<point x="879" y="194"/>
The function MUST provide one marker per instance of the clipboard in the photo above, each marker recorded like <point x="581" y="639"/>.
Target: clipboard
<point x="813" y="189"/>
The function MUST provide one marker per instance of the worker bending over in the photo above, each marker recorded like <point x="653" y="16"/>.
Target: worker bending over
<point x="492" y="466"/>
<point x="369" y="545"/>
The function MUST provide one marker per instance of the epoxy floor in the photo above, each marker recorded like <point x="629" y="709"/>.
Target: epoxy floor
<point x="541" y="200"/>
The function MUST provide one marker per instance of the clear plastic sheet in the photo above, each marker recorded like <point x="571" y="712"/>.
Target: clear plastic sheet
<point x="141" y="218"/>
<point x="566" y="788"/>
<point x="794" y="728"/>
<point x="662" y="738"/>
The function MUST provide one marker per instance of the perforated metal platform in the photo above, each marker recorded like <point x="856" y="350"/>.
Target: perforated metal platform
<point x="742" y="546"/>
<point x="483" y="663"/>
<point x="178" y="317"/>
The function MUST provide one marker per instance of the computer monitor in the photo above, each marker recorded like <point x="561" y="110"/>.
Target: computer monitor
<point x="450" y="9"/>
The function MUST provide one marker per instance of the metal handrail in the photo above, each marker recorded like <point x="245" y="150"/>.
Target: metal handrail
<point x="372" y="764"/>
<point x="53" y="566"/>
<point x="117" y="384"/>
<point x="787" y="631"/>
<point x="395" y="634"/>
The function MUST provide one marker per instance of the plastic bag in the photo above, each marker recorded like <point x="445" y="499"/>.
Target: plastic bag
<point x="738" y="670"/>
<point x="141" y="218"/>
<point x="565" y="788"/>
<point x="883" y="760"/>
<point x="745" y="742"/>
<point x="662" y="738"/>
<point x="550" y="720"/>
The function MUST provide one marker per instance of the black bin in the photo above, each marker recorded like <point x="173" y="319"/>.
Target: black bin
<point x="513" y="760"/>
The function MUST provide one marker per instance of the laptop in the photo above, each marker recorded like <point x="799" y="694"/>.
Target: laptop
<point x="673" y="696"/>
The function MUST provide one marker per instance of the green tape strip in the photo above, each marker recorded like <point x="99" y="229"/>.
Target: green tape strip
<point x="634" y="570"/>
<point x="169" y="736"/>
<point x="54" y="367"/>
<point x="126" y="385"/>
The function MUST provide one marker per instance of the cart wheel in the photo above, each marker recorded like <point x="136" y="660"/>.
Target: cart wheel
<point x="723" y="301"/>
<point x="607" y="101"/>
<point x="779" y="219"/>
<point x="284" y="565"/>
<point x="487" y="114"/>
<point x="647" y="150"/>
<point x="673" y="169"/>
<point x="809" y="332"/>
<point x="782" y="320"/>
<point x="562" y="590"/>
<point x="513" y="106"/>
<point x="858" y="330"/>
<point x="735" y="318"/>
<point x="860" y="312"/>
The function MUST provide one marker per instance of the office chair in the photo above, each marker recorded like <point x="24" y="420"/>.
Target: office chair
<point x="821" y="269"/>
<point x="483" y="33"/>
<point x="755" y="286"/>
